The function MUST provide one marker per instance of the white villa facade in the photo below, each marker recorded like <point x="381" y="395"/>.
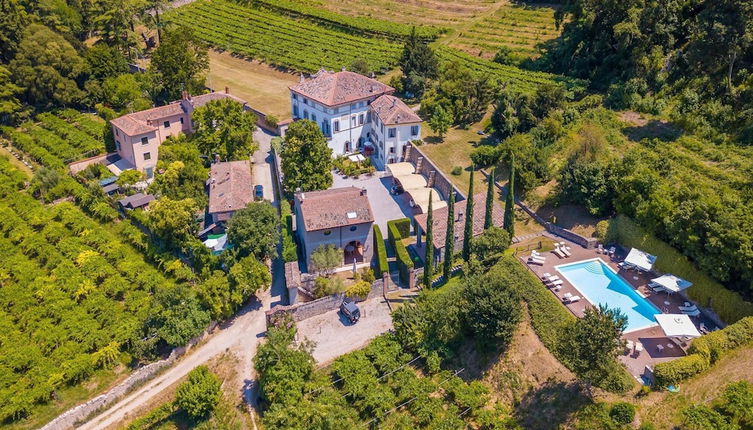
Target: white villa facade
<point x="356" y="113"/>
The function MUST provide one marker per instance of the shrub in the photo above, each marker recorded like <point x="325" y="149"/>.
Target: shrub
<point x="485" y="156"/>
<point x="404" y="262"/>
<point x="456" y="170"/>
<point x="622" y="413"/>
<point x="271" y="120"/>
<point x="602" y="227"/>
<point x="360" y="289"/>
<point x="402" y="225"/>
<point x="672" y="372"/>
<point x="327" y="286"/>
<point x="729" y="305"/>
<point x="381" y="251"/>
<point x="199" y="395"/>
<point x="368" y="275"/>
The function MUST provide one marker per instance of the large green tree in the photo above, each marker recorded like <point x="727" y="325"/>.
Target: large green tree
<point x="255" y="230"/>
<point x="10" y="105"/>
<point x="173" y="220"/>
<point x="13" y="20"/>
<point x="306" y="158"/>
<point x="449" y="238"/>
<point x="179" y="63"/>
<point x="199" y="395"/>
<point x="47" y="67"/>
<point x="593" y="344"/>
<point x="419" y="64"/>
<point x="224" y="128"/>
<point x="249" y="276"/>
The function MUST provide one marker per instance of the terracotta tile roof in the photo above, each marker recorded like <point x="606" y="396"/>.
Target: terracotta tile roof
<point x="479" y="212"/>
<point x="230" y="186"/>
<point x="392" y="111"/>
<point x="332" y="89"/>
<point x="141" y="122"/>
<point x="333" y="208"/>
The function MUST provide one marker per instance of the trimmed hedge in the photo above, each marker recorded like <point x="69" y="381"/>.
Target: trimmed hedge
<point x="404" y="262"/>
<point x="729" y="305"/>
<point x="381" y="253"/>
<point x="402" y="225"/>
<point x="704" y="352"/>
<point x="549" y="318"/>
<point x="289" y="247"/>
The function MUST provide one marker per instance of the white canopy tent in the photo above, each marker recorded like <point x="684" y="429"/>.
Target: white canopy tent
<point x="216" y="244"/>
<point x="672" y="283"/>
<point x="677" y="325"/>
<point x="639" y="259"/>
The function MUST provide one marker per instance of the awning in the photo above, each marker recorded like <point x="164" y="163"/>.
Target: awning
<point x="411" y="182"/>
<point x="672" y="283"/>
<point x="420" y="197"/>
<point x="640" y="259"/>
<point x="677" y="325"/>
<point x="400" y="169"/>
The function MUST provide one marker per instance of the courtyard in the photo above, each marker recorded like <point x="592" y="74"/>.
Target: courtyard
<point x="385" y="206"/>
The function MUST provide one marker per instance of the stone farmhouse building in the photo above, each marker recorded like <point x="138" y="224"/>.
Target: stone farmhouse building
<point x="338" y="216"/>
<point x="230" y="189"/>
<point x="138" y="135"/>
<point x="356" y="113"/>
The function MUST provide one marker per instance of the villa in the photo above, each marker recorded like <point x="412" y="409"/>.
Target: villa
<point x="138" y="135"/>
<point x="356" y="113"/>
<point x="339" y="216"/>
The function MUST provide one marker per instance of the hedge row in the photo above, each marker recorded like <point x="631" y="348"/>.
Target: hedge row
<point x="704" y="352"/>
<point x="403" y="226"/>
<point x="404" y="262"/>
<point x="729" y="305"/>
<point x="289" y="247"/>
<point x="381" y="253"/>
<point x="549" y="318"/>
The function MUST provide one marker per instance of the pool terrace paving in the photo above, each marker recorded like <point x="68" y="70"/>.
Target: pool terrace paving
<point x="650" y="337"/>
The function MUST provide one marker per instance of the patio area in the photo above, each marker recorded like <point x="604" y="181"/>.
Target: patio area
<point x="385" y="206"/>
<point x="656" y="346"/>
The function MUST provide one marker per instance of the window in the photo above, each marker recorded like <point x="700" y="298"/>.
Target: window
<point x="336" y="110"/>
<point x="392" y="149"/>
<point x="360" y="119"/>
<point x="147" y="156"/>
<point x="295" y="96"/>
<point x="116" y="132"/>
<point x="368" y="116"/>
<point x="414" y="130"/>
<point x="313" y="117"/>
<point x="353" y="121"/>
<point x="392" y="132"/>
<point x="181" y="120"/>
<point x="306" y="114"/>
<point x="305" y="101"/>
<point x="327" y="232"/>
<point x="295" y="110"/>
<point x="117" y="145"/>
<point x="166" y="124"/>
<point x="144" y="140"/>
<point x="354" y="228"/>
<point x="353" y="106"/>
<point x="336" y="125"/>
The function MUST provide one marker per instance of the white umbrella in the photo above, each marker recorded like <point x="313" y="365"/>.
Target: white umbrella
<point x="640" y="259"/>
<point x="677" y="325"/>
<point x="672" y="283"/>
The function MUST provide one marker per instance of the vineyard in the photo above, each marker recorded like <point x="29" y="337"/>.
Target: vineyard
<point x="524" y="80"/>
<point x="520" y="28"/>
<point x="363" y="25"/>
<point x="282" y="41"/>
<point x="54" y="140"/>
<point x="72" y="296"/>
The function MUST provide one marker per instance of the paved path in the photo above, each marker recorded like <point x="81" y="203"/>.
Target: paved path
<point x="262" y="159"/>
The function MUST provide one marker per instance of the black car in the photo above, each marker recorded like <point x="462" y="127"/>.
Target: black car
<point x="259" y="192"/>
<point x="350" y="310"/>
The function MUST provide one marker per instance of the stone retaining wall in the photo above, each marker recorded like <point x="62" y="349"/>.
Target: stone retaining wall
<point x="72" y="417"/>
<point x="441" y="182"/>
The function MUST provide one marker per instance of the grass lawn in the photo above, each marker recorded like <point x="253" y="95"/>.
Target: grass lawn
<point x="262" y="86"/>
<point x="15" y="161"/>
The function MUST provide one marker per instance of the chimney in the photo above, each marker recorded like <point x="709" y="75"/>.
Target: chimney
<point x="394" y="101"/>
<point x="227" y="90"/>
<point x="216" y="158"/>
<point x="343" y="69"/>
<point x="302" y="78"/>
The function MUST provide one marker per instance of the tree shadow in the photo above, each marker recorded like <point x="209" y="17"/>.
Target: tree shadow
<point x="550" y="405"/>
<point x="652" y="129"/>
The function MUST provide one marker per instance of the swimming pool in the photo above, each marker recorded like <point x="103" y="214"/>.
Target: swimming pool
<point x="600" y="284"/>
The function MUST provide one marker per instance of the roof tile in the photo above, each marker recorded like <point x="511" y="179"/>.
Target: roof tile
<point x="333" y="208"/>
<point x="332" y="89"/>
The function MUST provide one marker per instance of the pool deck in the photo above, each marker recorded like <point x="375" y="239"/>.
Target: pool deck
<point x="650" y="337"/>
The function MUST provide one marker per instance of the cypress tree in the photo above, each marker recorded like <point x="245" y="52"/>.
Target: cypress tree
<point x="509" y="223"/>
<point x="429" y="256"/>
<point x="488" y="220"/>
<point x="468" y="230"/>
<point x="449" y="241"/>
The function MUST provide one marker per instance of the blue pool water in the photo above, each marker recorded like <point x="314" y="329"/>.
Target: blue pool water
<point x="599" y="284"/>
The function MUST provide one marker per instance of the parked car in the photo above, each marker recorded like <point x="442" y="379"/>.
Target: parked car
<point x="350" y="310"/>
<point x="259" y="192"/>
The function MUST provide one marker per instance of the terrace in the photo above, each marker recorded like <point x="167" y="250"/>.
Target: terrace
<point x="657" y="347"/>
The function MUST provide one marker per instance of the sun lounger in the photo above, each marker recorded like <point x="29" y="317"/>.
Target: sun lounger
<point x="537" y="257"/>
<point x="660" y="348"/>
<point x="545" y="275"/>
<point x="567" y="295"/>
<point x="564" y="250"/>
<point x="600" y="249"/>
<point x="694" y="313"/>
<point x="557" y="251"/>
<point x="629" y="346"/>
<point x="688" y="308"/>
<point x="534" y="261"/>
<point x="688" y="304"/>
<point x="702" y="328"/>
<point x="555" y="283"/>
<point x="550" y="278"/>
<point x="572" y="299"/>
<point x="638" y="347"/>
<point x="612" y="250"/>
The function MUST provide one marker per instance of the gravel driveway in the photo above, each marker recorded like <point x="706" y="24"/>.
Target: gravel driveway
<point x="335" y="336"/>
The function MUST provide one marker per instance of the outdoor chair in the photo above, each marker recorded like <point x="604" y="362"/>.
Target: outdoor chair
<point x="533" y="261"/>
<point x="629" y="347"/>
<point x="688" y="308"/>
<point x="572" y="299"/>
<point x="565" y="251"/>
<point x="600" y="249"/>
<point x="555" y="283"/>
<point x="557" y="251"/>
<point x="660" y="347"/>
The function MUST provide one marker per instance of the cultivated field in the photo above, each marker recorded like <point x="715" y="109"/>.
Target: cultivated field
<point x="263" y="87"/>
<point x="520" y="28"/>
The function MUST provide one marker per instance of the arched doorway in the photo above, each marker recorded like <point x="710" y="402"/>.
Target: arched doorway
<point x="353" y="251"/>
